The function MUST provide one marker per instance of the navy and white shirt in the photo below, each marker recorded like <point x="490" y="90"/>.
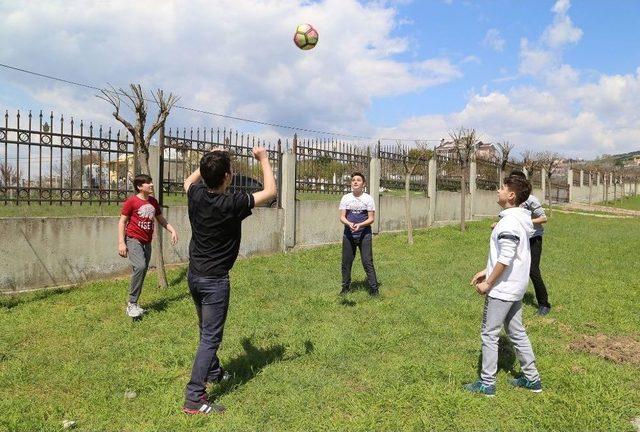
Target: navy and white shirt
<point x="357" y="208"/>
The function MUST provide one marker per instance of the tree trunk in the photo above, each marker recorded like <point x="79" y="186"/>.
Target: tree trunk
<point x="463" y="199"/>
<point x="407" y="207"/>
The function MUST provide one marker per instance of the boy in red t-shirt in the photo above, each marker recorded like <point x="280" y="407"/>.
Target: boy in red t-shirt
<point x="135" y="231"/>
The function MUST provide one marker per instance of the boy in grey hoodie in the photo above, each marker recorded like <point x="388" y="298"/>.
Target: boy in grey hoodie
<point x="504" y="282"/>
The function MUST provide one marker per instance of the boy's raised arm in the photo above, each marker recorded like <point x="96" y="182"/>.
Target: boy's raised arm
<point x="268" y="181"/>
<point x="195" y="177"/>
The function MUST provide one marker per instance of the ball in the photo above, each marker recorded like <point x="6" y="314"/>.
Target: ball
<point x="305" y="37"/>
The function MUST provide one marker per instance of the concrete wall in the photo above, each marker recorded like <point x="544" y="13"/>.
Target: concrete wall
<point x="392" y="213"/>
<point x="317" y="222"/>
<point x="448" y="206"/>
<point x="485" y="203"/>
<point x="45" y="252"/>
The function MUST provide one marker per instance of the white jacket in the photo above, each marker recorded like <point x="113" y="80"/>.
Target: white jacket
<point x="509" y="245"/>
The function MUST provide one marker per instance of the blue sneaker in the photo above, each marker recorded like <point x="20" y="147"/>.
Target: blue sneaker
<point x="534" y="386"/>
<point x="479" y="387"/>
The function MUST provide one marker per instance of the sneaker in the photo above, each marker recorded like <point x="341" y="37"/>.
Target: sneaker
<point x="222" y="377"/>
<point x="544" y="310"/>
<point x="534" y="386"/>
<point x="203" y="407"/>
<point x="134" y="311"/>
<point x="374" y="293"/>
<point x="479" y="387"/>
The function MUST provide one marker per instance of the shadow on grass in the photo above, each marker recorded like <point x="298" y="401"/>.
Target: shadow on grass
<point x="506" y="357"/>
<point x="9" y="301"/>
<point x="529" y="299"/>
<point x="162" y="304"/>
<point x="180" y="277"/>
<point x="247" y="365"/>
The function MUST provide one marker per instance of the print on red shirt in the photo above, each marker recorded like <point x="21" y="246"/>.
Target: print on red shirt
<point x="141" y="214"/>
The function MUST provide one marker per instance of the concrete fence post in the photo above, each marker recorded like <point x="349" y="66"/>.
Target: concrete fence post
<point x="374" y="189"/>
<point x="432" y="190"/>
<point x="473" y="170"/>
<point x="581" y="178"/>
<point x="570" y="182"/>
<point x="288" y="199"/>
<point x="543" y="183"/>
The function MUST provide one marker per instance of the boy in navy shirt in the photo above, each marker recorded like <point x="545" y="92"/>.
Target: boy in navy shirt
<point x="357" y="213"/>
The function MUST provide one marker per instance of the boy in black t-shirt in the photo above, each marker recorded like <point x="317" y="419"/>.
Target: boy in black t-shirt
<point x="216" y="219"/>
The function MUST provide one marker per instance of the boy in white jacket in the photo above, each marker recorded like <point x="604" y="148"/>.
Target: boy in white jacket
<point x="504" y="282"/>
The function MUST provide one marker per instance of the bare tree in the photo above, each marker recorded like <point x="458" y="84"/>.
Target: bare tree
<point x="135" y="99"/>
<point x="466" y="143"/>
<point x="412" y="160"/>
<point x="549" y="161"/>
<point x="505" y="148"/>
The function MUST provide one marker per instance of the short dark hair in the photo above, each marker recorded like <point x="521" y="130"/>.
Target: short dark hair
<point x="518" y="173"/>
<point x="141" y="179"/>
<point x="213" y="167"/>
<point x="520" y="186"/>
<point x="358" y="173"/>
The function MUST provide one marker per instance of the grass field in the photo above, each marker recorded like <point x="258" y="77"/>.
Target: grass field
<point x="631" y="203"/>
<point x="306" y="359"/>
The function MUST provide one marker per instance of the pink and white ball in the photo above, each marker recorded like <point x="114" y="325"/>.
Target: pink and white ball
<point x="306" y="37"/>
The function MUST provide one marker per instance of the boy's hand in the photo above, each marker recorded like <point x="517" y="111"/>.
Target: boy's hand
<point x="355" y="227"/>
<point x="483" y="287"/>
<point x="493" y="225"/>
<point x="174" y="237"/>
<point x="122" y="250"/>
<point x="479" y="277"/>
<point x="260" y="153"/>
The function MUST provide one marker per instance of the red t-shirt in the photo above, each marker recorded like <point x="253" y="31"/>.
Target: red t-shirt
<point x="141" y="215"/>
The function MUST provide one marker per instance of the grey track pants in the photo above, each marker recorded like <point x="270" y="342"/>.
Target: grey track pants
<point x="499" y="313"/>
<point x="139" y="256"/>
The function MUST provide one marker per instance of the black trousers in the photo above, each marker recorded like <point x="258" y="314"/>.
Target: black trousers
<point x="349" y="247"/>
<point x="211" y="298"/>
<point x="534" y="272"/>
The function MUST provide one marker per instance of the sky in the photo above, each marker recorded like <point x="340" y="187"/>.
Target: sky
<point x="544" y="75"/>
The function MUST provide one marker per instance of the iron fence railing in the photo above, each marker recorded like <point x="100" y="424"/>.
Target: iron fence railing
<point x="182" y="151"/>
<point x="325" y="166"/>
<point x="394" y="163"/>
<point x="487" y="174"/>
<point x="49" y="161"/>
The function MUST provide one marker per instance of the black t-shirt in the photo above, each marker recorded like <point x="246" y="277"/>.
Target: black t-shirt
<point x="216" y="221"/>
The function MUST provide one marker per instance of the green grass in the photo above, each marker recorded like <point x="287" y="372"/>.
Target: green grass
<point x="305" y="359"/>
<point x="630" y="203"/>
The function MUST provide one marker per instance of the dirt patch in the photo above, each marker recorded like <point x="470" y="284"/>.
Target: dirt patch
<point x="618" y="349"/>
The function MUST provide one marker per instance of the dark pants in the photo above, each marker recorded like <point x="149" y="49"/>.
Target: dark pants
<point x="534" y="273"/>
<point x="211" y="297"/>
<point x="349" y="246"/>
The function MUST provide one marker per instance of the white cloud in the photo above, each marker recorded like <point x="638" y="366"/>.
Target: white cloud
<point x="493" y="40"/>
<point x="583" y="120"/>
<point x="562" y="31"/>
<point x="228" y="56"/>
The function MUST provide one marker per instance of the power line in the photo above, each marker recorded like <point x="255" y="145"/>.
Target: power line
<point x="202" y="111"/>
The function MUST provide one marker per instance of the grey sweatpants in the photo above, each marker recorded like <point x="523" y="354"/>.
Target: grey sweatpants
<point x="139" y="256"/>
<point x="499" y="313"/>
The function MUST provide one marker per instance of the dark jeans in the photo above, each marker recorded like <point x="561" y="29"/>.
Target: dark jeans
<point x="211" y="297"/>
<point x="534" y="273"/>
<point x="349" y="246"/>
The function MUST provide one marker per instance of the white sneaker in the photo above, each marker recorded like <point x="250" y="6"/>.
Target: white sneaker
<point x="134" y="311"/>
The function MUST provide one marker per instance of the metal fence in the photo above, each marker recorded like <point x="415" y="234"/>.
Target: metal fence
<point x="182" y="151"/>
<point x="393" y="169"/>
<point x="535" y="177"/>
<point x="44" y="160"/>
<point x="558" y="190"/>
<point x="448" y="173"/>
<point x="487" y="174"/>
<point x="325" y="166"/>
